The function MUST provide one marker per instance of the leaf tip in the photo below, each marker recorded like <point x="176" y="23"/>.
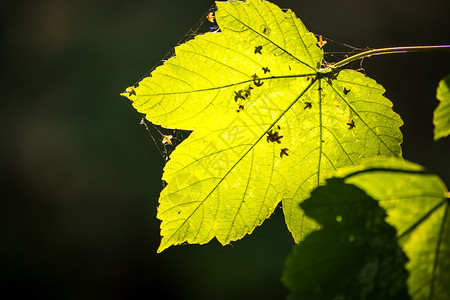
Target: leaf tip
<point x="163" y="246"/>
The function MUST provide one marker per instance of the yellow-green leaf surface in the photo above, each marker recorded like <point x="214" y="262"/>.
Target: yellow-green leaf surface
<point x="268" y="125"/>
<point x="417" y="205"/>
<point x="441" y="116"/>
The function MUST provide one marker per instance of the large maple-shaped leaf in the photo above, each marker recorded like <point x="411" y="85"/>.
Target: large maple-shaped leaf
<point x="268" y="123"/>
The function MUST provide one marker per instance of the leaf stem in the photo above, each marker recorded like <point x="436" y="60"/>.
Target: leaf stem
<point x="391" y="50"/>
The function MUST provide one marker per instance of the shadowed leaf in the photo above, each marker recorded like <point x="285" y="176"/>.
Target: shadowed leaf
<point x="355" y="255"/>
<point x="416" y="202"/>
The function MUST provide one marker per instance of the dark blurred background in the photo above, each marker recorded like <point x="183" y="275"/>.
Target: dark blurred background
<point x="81" y="177"/>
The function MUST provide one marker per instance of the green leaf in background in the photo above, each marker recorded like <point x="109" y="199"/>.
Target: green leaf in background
<point x="355" y="255"/>
<point x="441" y="116"/>
<point x="417" y="205"/>
<point x="268" y="125"/>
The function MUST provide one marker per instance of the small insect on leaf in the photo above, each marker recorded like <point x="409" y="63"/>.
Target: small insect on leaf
<point x="346" y="91"/>
<point x="308" y="105"/>
<point x="167" y="139"/>
<point x="130" y="90"/>
<point x="321" y="42"/>
<point x="248" y="91"/>
<point x="210" y="17"/>
<point x="351" y="124"/>
<point x="265" y="69"/>
<point x="258" y="49"/>
<point x="238" y="95"/>
<point x="273" y="136"/>
<point x="266" y="30"/>
<point x="256" y="80"/>
<point x="332" y="76"/>
<point x="284" y="152"/>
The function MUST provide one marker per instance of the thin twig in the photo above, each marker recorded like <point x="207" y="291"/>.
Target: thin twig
<point x="390" y="50"/>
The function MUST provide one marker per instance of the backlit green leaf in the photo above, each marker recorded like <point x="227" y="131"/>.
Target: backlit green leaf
<point x="268" y="124"/>
<point x="441" y="116"/>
